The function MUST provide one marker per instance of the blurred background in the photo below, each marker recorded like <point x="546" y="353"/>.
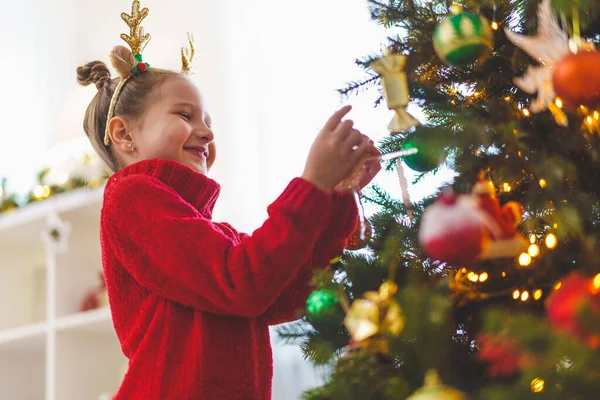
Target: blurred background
<point x="269" y="70"/>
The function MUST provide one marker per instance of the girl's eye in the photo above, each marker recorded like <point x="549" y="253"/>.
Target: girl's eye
<point x="185" y="115"/>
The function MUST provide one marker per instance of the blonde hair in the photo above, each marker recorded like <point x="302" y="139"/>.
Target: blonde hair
<point x="131" y="102"/>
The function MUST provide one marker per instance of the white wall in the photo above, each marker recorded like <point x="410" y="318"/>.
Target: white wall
<point x="285" y="63"/>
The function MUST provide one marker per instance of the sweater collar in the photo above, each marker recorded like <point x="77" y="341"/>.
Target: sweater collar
<point x="195" y="188"/>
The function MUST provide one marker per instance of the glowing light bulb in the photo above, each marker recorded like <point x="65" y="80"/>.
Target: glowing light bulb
<point x="495" y="25"/>
<point x="524" y="260"/>
<point x="543" y="183"/>
<point x="45" y="191"/>
<point x="525" y="296"/>
<point x="38" y="192"/>
<point x="537" y="385"/>
<point x="532" y="238"/>
<point x="589" y="120"/>
<point x="557" y="285"/>
<point x="483" y="277"/>
<point x="551" y="241"/>
<point x="597" y="284"/>
<point x="516" y="294"/>
<point x="538" y="294"/>
<point x="558" y="102"/>
<point x="596" y="115"/>
<point x="503" y="274"/>
<point x="507" y="98"/>
<point x="526" y="112"/>
<point x="534" y="250"/>
<point x="473" y="277"/>
<point x="506" y="187"/>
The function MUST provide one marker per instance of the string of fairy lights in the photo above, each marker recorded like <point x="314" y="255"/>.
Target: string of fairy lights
<point x="42" y="191"/>
<point x="534" y="250"/>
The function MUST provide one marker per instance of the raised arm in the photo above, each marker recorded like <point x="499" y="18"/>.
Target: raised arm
<point x="169" y="248"/>
<point x="329" y="245"/>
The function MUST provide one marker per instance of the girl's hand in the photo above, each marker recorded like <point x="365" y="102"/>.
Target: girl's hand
<point x="336" y="151"/>
<point x="363" y="173"/>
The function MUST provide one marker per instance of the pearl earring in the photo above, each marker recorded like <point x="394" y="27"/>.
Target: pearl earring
<point x="130" y="147"/>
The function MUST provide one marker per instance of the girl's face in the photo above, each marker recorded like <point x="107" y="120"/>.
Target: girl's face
<point x="175" y="126"/>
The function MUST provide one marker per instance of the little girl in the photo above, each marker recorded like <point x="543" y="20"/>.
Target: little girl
<point x="192" y="299"/>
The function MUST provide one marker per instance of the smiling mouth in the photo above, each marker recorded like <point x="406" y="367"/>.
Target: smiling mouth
<point x="197" y="151"/>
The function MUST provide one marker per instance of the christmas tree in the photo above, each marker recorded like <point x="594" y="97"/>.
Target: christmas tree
<point x="490" y="289"/>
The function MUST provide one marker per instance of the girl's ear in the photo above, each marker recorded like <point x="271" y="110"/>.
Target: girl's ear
<point x="120" y="134"/>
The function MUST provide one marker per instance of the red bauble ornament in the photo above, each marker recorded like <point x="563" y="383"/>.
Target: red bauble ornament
<point x="566" y="301"/>
<point x="452" y="230"/>
<point x="354" y="241"/>
<point x="576" y="79"/>
<point x="501" y="355"/>
<point x="96" y="297"/>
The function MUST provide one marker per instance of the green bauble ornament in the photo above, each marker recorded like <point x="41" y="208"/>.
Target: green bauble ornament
<point x="430" y="148"/>
<point x="322" y="305"/>
<point x="462" y="39"/>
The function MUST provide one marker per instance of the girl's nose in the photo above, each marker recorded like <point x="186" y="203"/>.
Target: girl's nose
<point x="206" y="134"/>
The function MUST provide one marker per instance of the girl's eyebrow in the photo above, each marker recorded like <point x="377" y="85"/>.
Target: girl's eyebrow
<point x="185" y="103"/>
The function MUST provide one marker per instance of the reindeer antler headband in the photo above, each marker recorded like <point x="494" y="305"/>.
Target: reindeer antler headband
<point x="137" y="40"/>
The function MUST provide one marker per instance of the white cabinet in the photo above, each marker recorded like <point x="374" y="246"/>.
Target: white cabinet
<point x="48" y="349"/>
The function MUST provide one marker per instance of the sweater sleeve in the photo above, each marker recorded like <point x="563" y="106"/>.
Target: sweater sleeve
<point x="169" y="248"/>
<point x="330" y="244"/>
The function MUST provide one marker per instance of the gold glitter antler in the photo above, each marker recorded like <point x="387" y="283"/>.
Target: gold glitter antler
<point x="187" y="55"/>
<point x="138" y="40"/>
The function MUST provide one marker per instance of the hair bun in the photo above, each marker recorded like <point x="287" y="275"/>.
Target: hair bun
<point x="95" y="72"/>
<point x="123" y="60"/>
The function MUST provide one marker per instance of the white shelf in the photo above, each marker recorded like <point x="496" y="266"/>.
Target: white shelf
<point x="58" y="203"/>
<point x="48" y="350"/>
<point x="24" y="336"/>
<point x="98" y="321"/>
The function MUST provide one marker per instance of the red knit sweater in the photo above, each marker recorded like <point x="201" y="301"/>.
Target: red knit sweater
<point x="192" y="299"/>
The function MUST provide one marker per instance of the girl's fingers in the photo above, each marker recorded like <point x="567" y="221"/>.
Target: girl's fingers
<point x="353" y="139"/>
<point x="333" y="121"/>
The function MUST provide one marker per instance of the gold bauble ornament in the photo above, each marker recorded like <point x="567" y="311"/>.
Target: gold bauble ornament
<point x="377" y="312"/>
<point x="435" y="390"/>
